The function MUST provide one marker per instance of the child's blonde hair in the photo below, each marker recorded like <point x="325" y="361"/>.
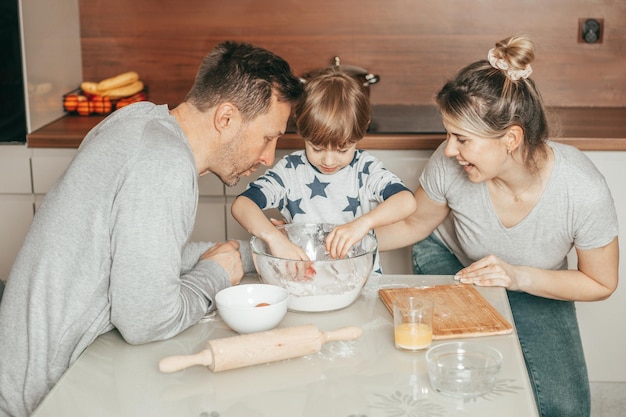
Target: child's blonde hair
<point x="334" y="110"/>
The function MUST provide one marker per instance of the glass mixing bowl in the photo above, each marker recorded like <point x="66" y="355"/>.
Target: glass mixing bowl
<point x="323" y="283"/>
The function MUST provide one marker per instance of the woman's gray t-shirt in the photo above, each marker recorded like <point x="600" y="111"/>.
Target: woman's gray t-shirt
<point x="575" y="209"/>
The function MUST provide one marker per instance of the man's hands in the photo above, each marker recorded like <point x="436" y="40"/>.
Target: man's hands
<point x="227" y="255"/>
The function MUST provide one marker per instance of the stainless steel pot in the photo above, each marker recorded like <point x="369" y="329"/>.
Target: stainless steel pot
<point x="366" y="77"/>
<point x="363" y="75"/>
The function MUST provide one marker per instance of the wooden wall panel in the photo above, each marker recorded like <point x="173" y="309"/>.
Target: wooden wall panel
<point x="414" y="45"/>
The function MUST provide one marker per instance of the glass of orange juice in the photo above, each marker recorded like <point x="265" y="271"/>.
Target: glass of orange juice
<point x="413" y="323"/>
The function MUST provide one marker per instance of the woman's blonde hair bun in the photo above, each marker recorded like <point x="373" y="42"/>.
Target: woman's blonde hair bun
<point x="513" y="56"/>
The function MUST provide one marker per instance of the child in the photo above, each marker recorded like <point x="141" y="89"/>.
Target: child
<point x="330" y="181"/>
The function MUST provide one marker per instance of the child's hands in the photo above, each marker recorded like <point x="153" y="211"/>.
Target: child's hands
<point x="282" y="247"/>
<point x="341" y="238"/>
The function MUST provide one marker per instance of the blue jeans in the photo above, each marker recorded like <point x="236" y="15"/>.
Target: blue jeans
<point x="548" y="334"/>
<point x="432" y="257"/>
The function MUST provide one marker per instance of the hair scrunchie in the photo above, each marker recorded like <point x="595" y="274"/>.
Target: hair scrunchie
<point x="512" y="73"/>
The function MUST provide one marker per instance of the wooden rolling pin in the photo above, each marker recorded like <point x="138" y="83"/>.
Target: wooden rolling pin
<point x="257" y="348"/>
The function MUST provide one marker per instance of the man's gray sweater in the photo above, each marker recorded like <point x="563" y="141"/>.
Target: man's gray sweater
<point x="108" y="248"/>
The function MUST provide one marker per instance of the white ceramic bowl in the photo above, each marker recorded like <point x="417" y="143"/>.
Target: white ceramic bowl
<point x="243" y="307"/>
<point x="334" y="284"/>
<point x="463" y="369"/>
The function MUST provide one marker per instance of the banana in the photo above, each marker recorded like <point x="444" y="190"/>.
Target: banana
<point x="118" y="81"/>
<point x="89" y="87"/>
<point x="123" y="91"/>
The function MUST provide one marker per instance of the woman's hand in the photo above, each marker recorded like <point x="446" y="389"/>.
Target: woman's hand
<point x="595" y="279"/>
<point x="489" y="271"/>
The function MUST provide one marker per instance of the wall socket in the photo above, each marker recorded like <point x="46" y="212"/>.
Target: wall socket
<point x="590" y="30"/>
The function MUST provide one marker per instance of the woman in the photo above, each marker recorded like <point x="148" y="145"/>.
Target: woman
<point x="505" y="206"/>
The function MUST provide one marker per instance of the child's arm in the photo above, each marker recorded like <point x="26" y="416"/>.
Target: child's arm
<point x="395" y="208"/>
<point x="251" y="218"/>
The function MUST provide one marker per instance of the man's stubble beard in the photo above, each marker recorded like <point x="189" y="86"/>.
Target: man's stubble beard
<point x="232" y="153"/>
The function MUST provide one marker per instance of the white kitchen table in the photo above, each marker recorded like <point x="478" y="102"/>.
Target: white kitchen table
<point x="367" y="377"/>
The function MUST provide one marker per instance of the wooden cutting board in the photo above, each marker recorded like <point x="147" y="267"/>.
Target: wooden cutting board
<point x="460" y="310"/>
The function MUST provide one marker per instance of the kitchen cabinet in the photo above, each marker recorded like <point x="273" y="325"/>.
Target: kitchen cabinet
<point x="604" y="340"/>
<point x="15" y="169"/>
<point x="47" y="166"/>
<point x="210" y="220"/>
<point x="16" y="215"/>
<point x="214" y="223"/>
<point x="210" y="216"/>
<point x="16" y="203"/>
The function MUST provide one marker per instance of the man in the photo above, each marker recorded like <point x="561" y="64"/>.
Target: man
<point x="109" y="246"/>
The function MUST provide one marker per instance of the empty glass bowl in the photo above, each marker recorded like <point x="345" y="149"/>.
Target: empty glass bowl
<point x="463" y="369"/>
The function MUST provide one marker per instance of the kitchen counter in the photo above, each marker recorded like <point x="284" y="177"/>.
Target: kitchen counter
<point x="401" y="127"/>
<point x="365" y="377"/>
